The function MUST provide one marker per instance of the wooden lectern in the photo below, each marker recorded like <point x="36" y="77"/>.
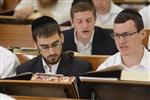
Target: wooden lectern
<point x="39" y="88"/>
<point x="119" y="90"/>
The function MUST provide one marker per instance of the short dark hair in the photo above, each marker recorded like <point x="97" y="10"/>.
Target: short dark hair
<point x="130" y="14"/>
<point x="82" y="5"/>
<point x="44" y="26"/>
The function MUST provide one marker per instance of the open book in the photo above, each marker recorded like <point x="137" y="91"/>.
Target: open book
<point x="116" y="73"/>
<point x="40" y="77"/>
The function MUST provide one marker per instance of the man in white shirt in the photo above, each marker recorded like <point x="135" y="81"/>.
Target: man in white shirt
<point x="145" y="12"/>
<point x="8" y="63"/>
<point x="128" y="35"/>
<point x="106" y="11"/>
<point x="58" y="9"/>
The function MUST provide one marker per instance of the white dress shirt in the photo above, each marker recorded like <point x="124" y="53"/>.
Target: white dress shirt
<point x="60" y="12"/>
<point x="107" y="20"/>
<point x="145" y="12"/>
<point x="82" y="48"/>
<point x="8" y="63"/>
<point x="52" y="69"/>
<point x="116" y="60"/>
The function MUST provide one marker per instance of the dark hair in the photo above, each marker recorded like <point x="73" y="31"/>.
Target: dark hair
<point x="44" y="26"/>
<point x="130" y="14"/>
<point x="82" y="5"/>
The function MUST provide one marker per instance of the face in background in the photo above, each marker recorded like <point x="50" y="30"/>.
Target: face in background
<point x="50" y="48"/>
<point x="130" y="44"/>
<point x="102" y="6"/>
<point x="83" y="23"/>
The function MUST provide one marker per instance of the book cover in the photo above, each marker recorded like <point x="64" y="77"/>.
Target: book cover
<point x="111" y="72"/>
<point x="116" y="72"/>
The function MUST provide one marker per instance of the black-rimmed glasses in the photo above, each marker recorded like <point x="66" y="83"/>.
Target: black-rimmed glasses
<point x="125" y="35"/>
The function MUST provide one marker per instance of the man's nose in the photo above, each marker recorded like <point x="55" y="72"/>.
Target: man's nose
<point x="122" y="39"/>
<point x="51" y="50"/>
<point x="85" y="24"/>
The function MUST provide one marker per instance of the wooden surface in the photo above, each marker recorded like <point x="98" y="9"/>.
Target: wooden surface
<point x="20" y="35"/>
<point x="16" y="35"/>
<point x="132" y="2"/>
<point x="95" y="60"/>
<point x="38" y="88"/>
<point x="120" y="90"/>
<point x="40" y="98"/>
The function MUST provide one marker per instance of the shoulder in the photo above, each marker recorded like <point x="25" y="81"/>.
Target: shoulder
<point x="145" y="10"/>
<point x="115" y="8"/>
<point x="68" y="31"/>
<point x="102" y="30"/>
<point x="7" y="55"/>
<point x="30" y="63"/>
<point x="102" y="33"/>
<point x="112" y="60"/>
<point x="77" y="63"/>
<point x="68" y="37"/>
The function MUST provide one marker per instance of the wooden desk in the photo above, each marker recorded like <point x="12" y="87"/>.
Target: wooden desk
<point x="95" y="60"/>
<point x="120" y="90"/>
<point x="17" y="34"/>
<point x="40" y="98"/>
<point x="146" y="2"/>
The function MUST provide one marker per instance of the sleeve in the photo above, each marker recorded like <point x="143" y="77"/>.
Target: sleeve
<point x="104" y="64"/>
<point x="8" y="66"/>
<point x="146" y="16"/>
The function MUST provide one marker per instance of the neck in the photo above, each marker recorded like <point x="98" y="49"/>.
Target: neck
<point x="134" y="59"/>
<point x="83" y="40"/>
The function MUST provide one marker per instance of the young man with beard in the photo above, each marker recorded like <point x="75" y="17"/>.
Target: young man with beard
<point x="86" y="38"/>
<point x="128" y="35"/>
<point x="51" y="60"/>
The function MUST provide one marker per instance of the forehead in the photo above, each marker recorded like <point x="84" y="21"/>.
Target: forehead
<point x="48" y="40"/>
<point x="83" y="15"/>
<point x="128" y="26"/>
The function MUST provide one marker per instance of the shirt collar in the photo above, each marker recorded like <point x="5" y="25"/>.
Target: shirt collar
<point x="144" y="62"/>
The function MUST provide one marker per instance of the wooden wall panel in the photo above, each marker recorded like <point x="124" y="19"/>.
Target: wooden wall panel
<point x="15" y="35"/>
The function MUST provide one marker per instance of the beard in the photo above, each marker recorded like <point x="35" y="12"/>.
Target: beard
<point x="51" y="59"/>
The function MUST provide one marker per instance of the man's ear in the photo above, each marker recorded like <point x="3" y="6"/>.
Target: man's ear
<point x="72" y="24"/>
<point x="143" y="34"/>
<point x="35" y="44"/>
<point x="62" y="37"/>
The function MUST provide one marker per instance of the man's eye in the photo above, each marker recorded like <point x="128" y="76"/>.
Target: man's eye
<point x="44" y="47"/>
<point x="79" y="21"/>
<point x="89" y="20"/>
<point x="55" y="45"/>
<point x="125" y="34"/>
<point x="116" y="35"/>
